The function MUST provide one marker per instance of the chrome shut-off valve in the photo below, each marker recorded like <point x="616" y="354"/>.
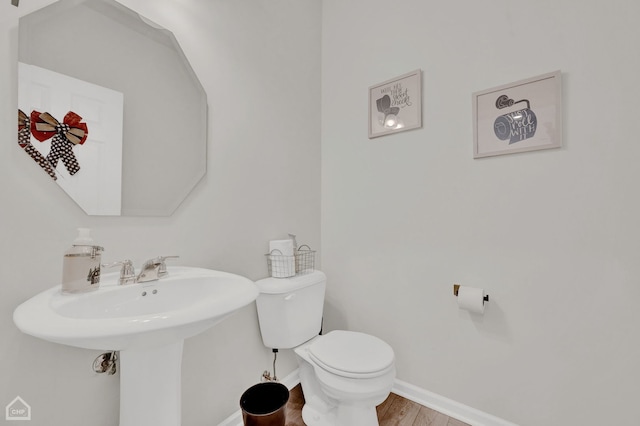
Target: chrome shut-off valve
<point x="106" y="363"/>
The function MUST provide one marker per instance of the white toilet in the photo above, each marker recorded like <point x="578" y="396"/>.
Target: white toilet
<point x="344" y="374"/>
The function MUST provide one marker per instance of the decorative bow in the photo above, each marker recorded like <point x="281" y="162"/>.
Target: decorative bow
<point x="24" y="129"/>
<point x="24" y="140"/>
<point x="65" y="135"/>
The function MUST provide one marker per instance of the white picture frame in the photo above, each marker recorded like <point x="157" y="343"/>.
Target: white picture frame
<point x="522" y="116"/>
<point x="396" y="105"/>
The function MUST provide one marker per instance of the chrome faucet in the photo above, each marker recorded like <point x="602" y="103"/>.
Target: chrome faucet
<point x="153" y="269"/>
<point x="127" y="271"/>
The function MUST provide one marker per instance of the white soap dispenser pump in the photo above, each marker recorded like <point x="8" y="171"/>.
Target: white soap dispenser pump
<point x="81" y="265"/>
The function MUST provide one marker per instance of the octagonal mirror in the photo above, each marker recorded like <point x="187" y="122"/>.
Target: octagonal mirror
<point x="110" y="108"/>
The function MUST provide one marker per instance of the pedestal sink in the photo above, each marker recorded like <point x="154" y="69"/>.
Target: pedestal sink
<point x="147" y="323"/>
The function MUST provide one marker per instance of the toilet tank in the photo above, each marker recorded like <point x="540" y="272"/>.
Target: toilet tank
<point x="290" y="309"/>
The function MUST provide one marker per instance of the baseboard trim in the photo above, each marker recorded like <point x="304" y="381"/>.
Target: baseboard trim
<point x="447" y="406"/>
<point x="413" y="393"/>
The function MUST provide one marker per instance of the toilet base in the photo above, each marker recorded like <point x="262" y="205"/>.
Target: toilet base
<point x="313" y="417"/>
<point x="342" y="415"/>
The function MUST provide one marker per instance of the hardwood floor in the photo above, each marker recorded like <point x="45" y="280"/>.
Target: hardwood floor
<point x="294" y="407"/>
<point x="395" y="411"/>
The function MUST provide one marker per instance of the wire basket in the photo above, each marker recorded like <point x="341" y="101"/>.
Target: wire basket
<point x="281" y="266"/>
<point x="305" y="259"/>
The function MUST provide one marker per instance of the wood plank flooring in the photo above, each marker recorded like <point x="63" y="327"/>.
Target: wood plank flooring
<point x="395" y="411"/>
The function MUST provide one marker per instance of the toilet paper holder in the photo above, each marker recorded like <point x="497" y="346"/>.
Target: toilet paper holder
<point x="456" y="287"/>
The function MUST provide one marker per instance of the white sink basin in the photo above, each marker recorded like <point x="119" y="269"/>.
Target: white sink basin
<point x="147" y="323"/>
<point x="115" y="317"/>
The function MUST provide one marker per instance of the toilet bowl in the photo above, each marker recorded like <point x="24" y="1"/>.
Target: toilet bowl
<point x="344" y="374"/>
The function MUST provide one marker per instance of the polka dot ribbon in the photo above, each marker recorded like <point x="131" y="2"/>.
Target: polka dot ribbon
<point x="24" y="140"/>
<point x="65" y="136"/>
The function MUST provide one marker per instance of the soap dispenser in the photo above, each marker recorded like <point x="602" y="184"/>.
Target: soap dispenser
<point x="81" y="265"/>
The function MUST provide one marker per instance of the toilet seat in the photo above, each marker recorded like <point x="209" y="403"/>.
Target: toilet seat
<point x="352" y="354"/>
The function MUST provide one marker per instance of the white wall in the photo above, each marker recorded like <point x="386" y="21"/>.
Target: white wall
<point x="551" y="235"/>
<point x="259" y="62"/>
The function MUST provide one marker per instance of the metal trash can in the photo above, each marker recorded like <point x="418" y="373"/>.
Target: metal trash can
<point x="264" y="404"/>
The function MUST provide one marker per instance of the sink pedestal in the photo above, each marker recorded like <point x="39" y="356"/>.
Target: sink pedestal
<point x="150" y="386"/>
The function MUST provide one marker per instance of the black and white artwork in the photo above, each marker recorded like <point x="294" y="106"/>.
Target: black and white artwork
<point x="395" y="105"/>
<point x="518" y="125"/>
<point x="517" y="117"/>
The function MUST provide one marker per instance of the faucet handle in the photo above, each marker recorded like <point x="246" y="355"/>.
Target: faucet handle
<point x="163" y="258"/>
<point x="127" y="272"/>
<point x="162" y="269"/>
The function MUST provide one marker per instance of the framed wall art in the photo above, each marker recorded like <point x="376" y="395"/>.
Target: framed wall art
<point x="396" y="105"/>
<point x="522" y="116"/>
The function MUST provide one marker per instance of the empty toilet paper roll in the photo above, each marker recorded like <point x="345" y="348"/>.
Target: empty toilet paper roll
<point x="285" y="247"/>
<point x="471" y="299"/>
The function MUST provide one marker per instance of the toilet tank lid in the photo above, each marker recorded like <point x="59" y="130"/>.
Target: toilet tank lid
<point x="287" y="285"/>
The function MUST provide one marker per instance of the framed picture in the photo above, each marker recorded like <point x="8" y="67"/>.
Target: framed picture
<point x="395" y="105"/>
<point x="522" y="116"/>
